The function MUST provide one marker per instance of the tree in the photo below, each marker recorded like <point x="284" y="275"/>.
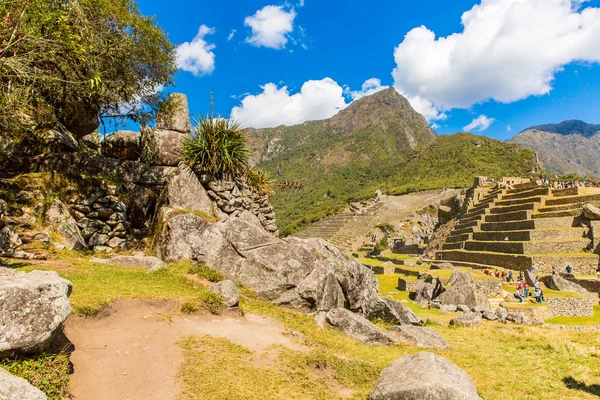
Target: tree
<point x="74" y="60"/>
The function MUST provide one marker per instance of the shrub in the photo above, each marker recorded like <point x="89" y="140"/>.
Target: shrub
<point x="260" y="180"/>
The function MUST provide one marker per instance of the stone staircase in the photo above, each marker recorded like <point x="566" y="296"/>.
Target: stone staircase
<point x="521" y="225"/>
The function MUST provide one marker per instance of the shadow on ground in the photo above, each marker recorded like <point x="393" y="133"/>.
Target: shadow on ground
<point x="574" y="384"/>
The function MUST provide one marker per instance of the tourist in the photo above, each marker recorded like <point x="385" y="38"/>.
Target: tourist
<point x="497" y="274"/>
<point x="510" y="276"/>
<point x="569" y="270"/>
<point x="537" y="295"/>
<point x="520" y="276"/>
<point x="503" y="275"/>
<point x="518" y="295"/>
<point x="542" y="299"/>
<point x="487" y="271"/>
<point x="536" y="284"/>
<point x="525" y="290"/>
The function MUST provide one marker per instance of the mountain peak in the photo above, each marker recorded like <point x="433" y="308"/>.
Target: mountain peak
<point x="570" y="127"/>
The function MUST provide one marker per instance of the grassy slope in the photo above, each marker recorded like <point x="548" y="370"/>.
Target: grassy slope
<point x="449" y="161"/>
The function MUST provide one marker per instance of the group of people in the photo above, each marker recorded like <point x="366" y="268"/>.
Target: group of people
<point x="523" y="291"/>
<point x="556" y="184"/>
<point x="508" y="277"/>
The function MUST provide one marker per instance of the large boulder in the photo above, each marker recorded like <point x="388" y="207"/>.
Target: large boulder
<point x="358" y="327"/>
<point x="556" y="282"/>
<point x="33" y="309"/>
<point x="321" y="289"/>
<point x="228" y="292"/>
<point x="149" y="263"/>
<point x="184" y="191"/>
<point x="174" y="115"/>
<point x="15" y="388"/>
<point x="124" y="145"/>
<point x="467" y="319"/>
<point x="392" y="311"/>
<point x="591" y="212"/>
<point x="162" y="147"/>
<point x="530" y="277"/>
<point x="180" y="236"/>
<point x="420" y="336"/>
<point x="423" y="291"/>
<point x="424" y="376"/>
<point x="461" y="290"/>
<point x="518" y="318"/>
<point x="9" y="239"/>
<point x="59" y="216"/>
<point x="57" y="140"/>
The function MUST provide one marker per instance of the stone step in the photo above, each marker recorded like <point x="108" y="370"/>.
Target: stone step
<point x="511" y="216"/>
<point x="573" y="206"/>
<point x="573" y="199"/>
<point x="472" y="224"/>
<point x="521" y="187"/>
<point x="463" y="231"/>
<point x="566" y="192"/>
<point x="537" y="191"/>
<point x="453" y="246"/>
<point x="526" y="200"/>
<point x="476" y="212"/>
<point x="519" y="207"/>
<point x="530" y="247"/>
<point x="528" y="224"/>
<point x="557" y="214"/>
<point x="471" y="218"/>
<point x="459" y="238"/>
<point x="535" y="234"/>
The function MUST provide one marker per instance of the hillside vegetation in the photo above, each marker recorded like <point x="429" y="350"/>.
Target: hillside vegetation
<point x="378" y="142"/>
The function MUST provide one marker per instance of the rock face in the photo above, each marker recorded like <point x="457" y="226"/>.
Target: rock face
<point x="33" y="308"/>
<point x="175" y="116"/>
<point x="307" y="273"/>
<point x="9" y="239"/>
<point x="229" y="293"/>
<point x="591" y="212"/>
<point x="461" y="290"/>
<point x="15" y="388"/>
<point x="518" y="318"/>
<point x="468" y="319"/>
<point x="162" y="147"/>
<point x="122" y="144"/>
<point x="556" y="282"/>
<point x="358" y="327"/>
<point x="420" y="336"/>
<point x="530" y="277"/>
<point x="150" y="264"/>
<point x="424" y="376"/>
<point x="184" y="191"/>
<point x="424" y="291"/>
<point x="58" y="215"/>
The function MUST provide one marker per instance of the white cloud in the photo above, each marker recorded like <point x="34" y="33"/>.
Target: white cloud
<point x="479" y="124"/>
<point x="508" y="50"/>
<point x="197" y="56"/>
<point x="276" y="106"/>
<point x="231" y="35"/>
<point x="435" y="125"/>
<point x="369" y="87"/>
<point x="508" y="128"/>
<point x="271" y="27"/>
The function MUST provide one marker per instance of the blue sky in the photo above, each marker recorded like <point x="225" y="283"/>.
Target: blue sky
<point x="509" y="65"/>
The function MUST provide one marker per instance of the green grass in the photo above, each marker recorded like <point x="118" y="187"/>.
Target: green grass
<point x="577" y="321"/>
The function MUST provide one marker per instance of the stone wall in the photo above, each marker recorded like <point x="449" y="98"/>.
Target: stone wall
<point x="234" y="197"/>
<point x="538" y="313"/>
<point x="572" y="306"/>
<point x="406" y="285"/>
<point x="590" y="284"/>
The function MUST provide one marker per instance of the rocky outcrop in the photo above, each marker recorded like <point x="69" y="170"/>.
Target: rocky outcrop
<point x="122" y="144"/>
<point x="59" y="216"/>
<point x="420" y="337"/>
<point x="162" y="147"/>
<point x="556" y="282"/>
<point x="9" y="239"/>
<point x="358" y="327"/>
<point x="461" y="290"/>
<point x="185" y="192"/>
<point x="392" y="311"/>
<point x="591" y="212"/>
<point x="174" y="115"/>
<point x="517" y="318"/>
<point x="424" y="376"/>
<point x="149" y="263"/>
<point x="180" y="236"/>
<point x="15" y="388"/>
<point x="228" y="292"/>
<point x="468" y="319"/>
<point x="33" y="309"/>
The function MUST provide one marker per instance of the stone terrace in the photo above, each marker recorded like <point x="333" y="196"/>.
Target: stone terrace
<point x="517" y="226"/>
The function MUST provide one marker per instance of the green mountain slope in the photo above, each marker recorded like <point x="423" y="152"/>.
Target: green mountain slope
<point x="378" y="142"/>
<point x="571" y="147"/>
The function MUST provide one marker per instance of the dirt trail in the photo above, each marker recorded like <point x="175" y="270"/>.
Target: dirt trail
<point x="132" y="354"/>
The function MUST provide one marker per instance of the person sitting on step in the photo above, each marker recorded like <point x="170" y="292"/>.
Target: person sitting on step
<point x="569" y="269"/>
<point x="518" y="295"/>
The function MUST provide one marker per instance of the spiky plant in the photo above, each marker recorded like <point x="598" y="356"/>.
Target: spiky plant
<point x="259" y="180"/>
<point x="218" y="147"/>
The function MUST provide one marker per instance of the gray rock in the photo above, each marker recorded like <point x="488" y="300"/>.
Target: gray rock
<point x="490" y="316"/>
<point x="518" y="318"/>
<point x="530" y="277"/>
<point x="176" y="115"/>
<point x="462" y="291"/>
<point x="467" y="319"/>
<point x="92" y="141"/>
<point x="58" y="215"/>
<point x="444" y="266"/>
<point x="9" y="239"/>
<point x="33" y="309"/>
<point x="181" y="236"/>
<point x="420" y="336"/>
<point x="229" y="293"/>
<point x="15" y="388"/>
<point x="162" y="147"/>
<point x="42" y="237"/>
<point x="149" y="263"/>
<point x="184" y="191"/>
<point x="556" y="282"/>
<point x="392" y="311"/>
<point x="463" y="308"/>
<point x="58" y="140"/>
<point x="115" y="242"/>
<point x="424" y="376"/>
<point x="501" y="312"/>
<point x="98" y="239"/>
<point x="124" y="145"/>
<point x="591" y="212"/>
<point x="358" y="327"/>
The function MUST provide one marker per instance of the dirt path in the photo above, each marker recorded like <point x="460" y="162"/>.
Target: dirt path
<point x="132" y="354"/>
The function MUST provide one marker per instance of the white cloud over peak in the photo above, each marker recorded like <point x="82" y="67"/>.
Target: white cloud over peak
<point x="271" y="27"/>
<point x="508" y="50"/>
<point x="479" y="124"/>
<point x="197" y="56"/>
<point x="318" y="99"/>
<point x="231" y="35"/>
<point x="369" y="87"/>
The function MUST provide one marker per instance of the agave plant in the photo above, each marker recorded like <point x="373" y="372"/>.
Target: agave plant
<point x="259" y="180"/>
<point x="218" y="147"/>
